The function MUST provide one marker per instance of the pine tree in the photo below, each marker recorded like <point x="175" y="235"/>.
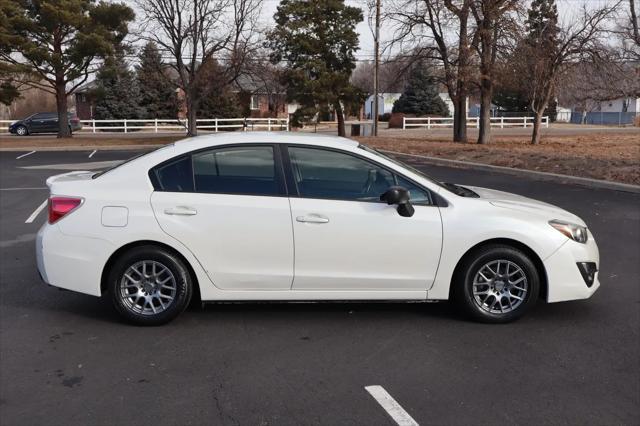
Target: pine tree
<point x="542" y="26"/>
<point x="157" y="96"/>
<point x="117" y="92"/>
<point x="421" y="94"/>
<point x="543" y="58"/>
<point x="317" y="40"/>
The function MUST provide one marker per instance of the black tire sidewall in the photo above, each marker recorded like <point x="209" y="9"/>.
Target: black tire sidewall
<point x="464" y="295"/>
<point x="177" y="268"/>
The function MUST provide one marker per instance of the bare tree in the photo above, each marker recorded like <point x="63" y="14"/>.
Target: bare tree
<point x="392" y="75"/>
<point x="427" y="26"/>
<point x="629" y="32"/>
<point x="494" y="19"/>
<point x="581" y="41"/>
<point x="197" y="32"/>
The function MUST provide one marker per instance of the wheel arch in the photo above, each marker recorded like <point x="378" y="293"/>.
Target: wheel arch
<point x="119" y="252"/>
<point x="542" y="272"/>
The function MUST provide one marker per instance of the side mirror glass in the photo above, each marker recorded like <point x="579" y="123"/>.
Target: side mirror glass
<point x="399" y="196"/>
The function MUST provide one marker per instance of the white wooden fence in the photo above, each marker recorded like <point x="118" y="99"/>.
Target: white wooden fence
<point x="501" y="122"/>
<point x="176" y="126"/>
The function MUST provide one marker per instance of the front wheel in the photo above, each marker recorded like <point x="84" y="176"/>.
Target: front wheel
<point x="496" y="284"/>
<point x="22" y="131"/>
<point x="150" y="286"/>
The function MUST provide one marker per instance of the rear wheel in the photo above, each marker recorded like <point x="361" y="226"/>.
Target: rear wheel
<point x="22" y="131"/>
<point x="150" y="286"/>
<point x="496" y="284"/>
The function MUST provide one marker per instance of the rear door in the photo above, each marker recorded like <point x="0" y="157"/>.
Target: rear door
<point x="228" y="205"/>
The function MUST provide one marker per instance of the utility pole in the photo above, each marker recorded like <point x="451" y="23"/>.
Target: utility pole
<point x="376" y="88"/>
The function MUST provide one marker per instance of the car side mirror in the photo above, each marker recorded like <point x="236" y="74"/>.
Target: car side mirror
<point x="399" y="196"/>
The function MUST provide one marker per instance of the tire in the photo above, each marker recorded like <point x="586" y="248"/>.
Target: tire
<point x="149" y="285"/>
<point x="497" y="298"/>
<point x="22" y="131"/>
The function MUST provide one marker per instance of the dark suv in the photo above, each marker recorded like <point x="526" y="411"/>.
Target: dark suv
<point x="42" y="122"/>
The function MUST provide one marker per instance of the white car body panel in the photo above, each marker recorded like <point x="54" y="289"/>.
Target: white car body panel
<point x="364" y="246"/>
<point x="253" y="248"/>
<point x="244" y="242"/>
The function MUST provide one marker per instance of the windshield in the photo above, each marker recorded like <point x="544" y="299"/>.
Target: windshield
<point x="403" y="165"/>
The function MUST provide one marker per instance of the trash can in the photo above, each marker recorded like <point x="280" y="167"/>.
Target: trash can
<point x="355" y="130"/>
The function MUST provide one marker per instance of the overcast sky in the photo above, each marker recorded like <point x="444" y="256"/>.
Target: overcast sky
<point x="567" y="10"/>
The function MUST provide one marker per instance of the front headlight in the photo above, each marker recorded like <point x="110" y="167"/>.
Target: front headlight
<point x="577" y="233"/>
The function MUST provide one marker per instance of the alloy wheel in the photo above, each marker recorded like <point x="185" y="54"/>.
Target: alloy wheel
<point x="148" y="287"/>
<point x="500" y="286"/>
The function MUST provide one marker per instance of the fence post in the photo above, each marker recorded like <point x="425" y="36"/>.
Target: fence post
<point x="287" y="123"/>
<point x="125" y="125"/>
<point x="525" y="121"/>
<point x="404" y="123"/>
<point x="93" y="124"/>
<point x="429" y="123"/>
<point x="269" y="124"/>
<point x="477" y="122"/>
<point x="155" y="124"/>
<point x="502" y="122"/>
<point x="216" y="124"/>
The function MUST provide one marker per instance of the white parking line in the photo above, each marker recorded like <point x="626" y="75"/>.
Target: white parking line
<point x="23" y="189"/>
<point x="24" y="155"/>
<point x="36" y="212"/>
<point x="92" y="154"/>
<point x="397" y="413"/>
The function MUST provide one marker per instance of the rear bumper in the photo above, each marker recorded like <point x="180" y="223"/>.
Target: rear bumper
<point x="69" y="262"/>
<point x="565" y="281"/>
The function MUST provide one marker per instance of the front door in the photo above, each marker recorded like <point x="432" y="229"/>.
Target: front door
<point x="229" y="207"/>
<point x="346" y="239"/>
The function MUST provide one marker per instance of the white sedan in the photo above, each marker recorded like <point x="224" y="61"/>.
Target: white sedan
<point x="293" y="217"/>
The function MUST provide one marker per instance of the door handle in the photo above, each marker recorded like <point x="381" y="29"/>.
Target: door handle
<point x="313" y="218"/>
<point x="181" y="211"/>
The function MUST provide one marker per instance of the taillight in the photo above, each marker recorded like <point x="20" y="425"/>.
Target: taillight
<point x="61" y="206"/>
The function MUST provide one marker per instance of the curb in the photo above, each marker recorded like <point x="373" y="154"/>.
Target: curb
<point x="575" y="180"/>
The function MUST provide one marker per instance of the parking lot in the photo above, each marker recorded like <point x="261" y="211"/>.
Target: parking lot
<point x="67" y="359"/>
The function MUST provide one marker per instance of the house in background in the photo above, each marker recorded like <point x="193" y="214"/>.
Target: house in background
<point x="256" y="100"/>
<point x="386" y="101"/>
<point x="612" y="112"/>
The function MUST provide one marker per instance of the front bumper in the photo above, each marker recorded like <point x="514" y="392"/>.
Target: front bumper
<point x="565" y="281"/>
<point x="71" y="262"/>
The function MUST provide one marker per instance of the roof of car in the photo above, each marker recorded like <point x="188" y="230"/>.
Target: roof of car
<point x="261" y="137"/>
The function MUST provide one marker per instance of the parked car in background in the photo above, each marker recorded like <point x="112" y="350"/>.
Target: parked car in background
<point x="287" y="216"/>
<point x="42" y="122"/>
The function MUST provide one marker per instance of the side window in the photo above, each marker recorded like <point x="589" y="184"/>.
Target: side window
<point x="175" y="176"/>
<point x="321" y="173"/>
<point x="249" y="170"/>
<point x="416" y="195"/>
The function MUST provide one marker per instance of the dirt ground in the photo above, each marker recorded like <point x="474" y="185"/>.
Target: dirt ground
<point x="607" y="155"/>
<point x="613" y="157"/>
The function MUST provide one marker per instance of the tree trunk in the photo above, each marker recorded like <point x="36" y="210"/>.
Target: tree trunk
<point x="535" y="137"/>
<point x="460" y="119"/>
<point x="192" y="105"/>
<point x="61" y="106"/>
<point x="484" y="135"/>
<point x="340" y="117"/>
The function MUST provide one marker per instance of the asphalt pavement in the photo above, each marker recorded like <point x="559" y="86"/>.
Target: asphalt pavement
<point x="67" y="359"/>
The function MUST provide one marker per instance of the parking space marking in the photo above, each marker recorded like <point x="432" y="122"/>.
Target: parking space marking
<point x="391" y="406"/>
<point x="36" y="212"/>
<point x="23" y="189"/>
<point x="24" y="155"/>
<point x="93" y="153"/>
